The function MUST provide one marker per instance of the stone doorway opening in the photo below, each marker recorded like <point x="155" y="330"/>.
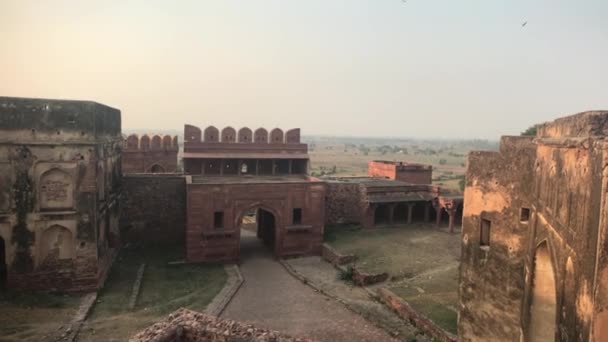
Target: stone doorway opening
<point x="543" y="307"/>
<point x="258" y="232"/>
<point x="382" y="214"/>
<point x="3" y="267"/>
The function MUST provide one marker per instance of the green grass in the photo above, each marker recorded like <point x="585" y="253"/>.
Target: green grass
<point x="164" y="289"/>
<point x="423" y="259"/>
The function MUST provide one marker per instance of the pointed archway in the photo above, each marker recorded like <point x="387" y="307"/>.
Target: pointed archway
<point x="543" y="307"/>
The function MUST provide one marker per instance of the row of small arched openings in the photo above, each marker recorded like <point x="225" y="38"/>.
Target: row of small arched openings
<point x="133" y="142"/>
<point x="244" y="135"/>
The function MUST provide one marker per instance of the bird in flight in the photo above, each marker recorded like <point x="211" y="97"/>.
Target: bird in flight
<point x="524" y="24"/>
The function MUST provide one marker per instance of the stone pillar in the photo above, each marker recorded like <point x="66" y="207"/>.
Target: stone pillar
<point x="451" y="213"/>
<point x="391" y="214"/>
<point x="427" y="212"/>
<point x="438" y="219"/>
<point x="290" y="166"/>
<point x="221" y="167"/>
<point x="274" y="167"/>
<point x="239" y="166"/>
<point x="257" y="167"/>
<point x="410" y="208"/>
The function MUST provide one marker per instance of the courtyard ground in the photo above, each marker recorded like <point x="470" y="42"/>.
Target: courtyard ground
<point x="34" y="316"/>
<point x="272" y="298"/>
<point x="164" y="289"/>
<point x="421" y="259"/>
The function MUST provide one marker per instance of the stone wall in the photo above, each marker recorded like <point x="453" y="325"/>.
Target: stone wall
<point x="150" y="154"/>
<point x="154" y="209"/>
<point x="60" y="181"/>
<point x="343" y="203"/>
<point x="540" y="272"/>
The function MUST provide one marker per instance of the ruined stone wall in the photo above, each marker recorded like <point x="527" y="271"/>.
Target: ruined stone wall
<point x="60" y="174"/>
<point x="204" y="242"/>
<point x="153" y="209"/>
<point x="343" y="203"/>
<point x="540" y="194"/>
<point x="409" y="173"/>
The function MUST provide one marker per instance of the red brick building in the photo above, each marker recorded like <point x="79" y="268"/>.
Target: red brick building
<point x="149" y="155"/>
<point x="235" y="174"/>
<point x="405" y="172"/>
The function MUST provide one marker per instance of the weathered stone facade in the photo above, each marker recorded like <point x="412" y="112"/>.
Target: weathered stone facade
<point x="534" y="241"/>
<point x="153" y="209"/>
<point x="60" y="180"/>
<point x="264" y="174"/>
<point x="147" y="154"/>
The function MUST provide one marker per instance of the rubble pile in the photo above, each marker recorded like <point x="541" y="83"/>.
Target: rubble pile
<point x="189" y="326"/>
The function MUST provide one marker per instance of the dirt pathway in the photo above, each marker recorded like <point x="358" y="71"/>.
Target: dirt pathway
<point x="272" y="298"/>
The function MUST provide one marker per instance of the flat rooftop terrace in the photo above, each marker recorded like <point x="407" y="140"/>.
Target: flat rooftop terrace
<point x="200" y="179"/>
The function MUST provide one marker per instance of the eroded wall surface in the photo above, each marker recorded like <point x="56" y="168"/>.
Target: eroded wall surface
<point x="60" y="176"/>
<point x="154" y="209"/>
<point x="542" y="195"/>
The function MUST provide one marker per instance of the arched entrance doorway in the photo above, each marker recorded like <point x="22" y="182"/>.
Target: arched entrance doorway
<point x="157" y="169"/>
<point x="3" y="267"/>
<point x="543" y="304"/>
<point x="258" y="228"/>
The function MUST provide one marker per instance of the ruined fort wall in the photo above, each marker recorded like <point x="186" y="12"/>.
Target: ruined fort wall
<point x="491" y="277"/>
<point x="150" y="154"/>
<point x="60" y="175"/>
<point x="153" y="209"/>
<point x="343" y="203"/>
<point x="600" y="312"/>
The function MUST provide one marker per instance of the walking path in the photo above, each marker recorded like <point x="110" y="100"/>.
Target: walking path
<point x="271" y="298"/>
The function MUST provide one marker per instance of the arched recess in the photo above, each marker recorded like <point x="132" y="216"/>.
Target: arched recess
<point x="228" y="135"/>
<point x="56" y="190"/>
<point x="245" y="135"/>
<point x="211" y="134"/>
<point x="157" y="169"/>
<point x="156" y="142"/>
<point x="276" y="136"/>
<point x="543" y="306"/>
<point x="133" y="142"/>
<point x="261" y="136"/>
<point x="57" y="243"/>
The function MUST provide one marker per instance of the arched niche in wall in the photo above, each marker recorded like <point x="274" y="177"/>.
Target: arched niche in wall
<point x="245" y="135"/>
<point x="543" y="306"/>
<point x="133" y="142"/>
<point x="191" y="134"/>
<point x="144" y="142"/>
<point x="211" y="134"/>
<point x="228" y="135"/>
<point x="156" y="142"/>
<point x="276" y="136"/>
<point x="56" y="189"/>
<point x="156" y="169"/>
<point x="293" y="136"/>
<point x="167" y="141"/>
<point x="57" y="243"/>
<point x="261" y="136"/>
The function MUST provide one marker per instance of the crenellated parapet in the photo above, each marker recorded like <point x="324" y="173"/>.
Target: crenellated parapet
<point x="150" y="154"/>
<point x="245" y="135"/>
<point x="150" y="142"/>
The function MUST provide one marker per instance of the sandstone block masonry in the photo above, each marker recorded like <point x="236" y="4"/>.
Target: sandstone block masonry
<point x="534" y="258"/>
<point x="153" y="209"/>
<point x="149" y="154"/>
<point x="60" y="180"/>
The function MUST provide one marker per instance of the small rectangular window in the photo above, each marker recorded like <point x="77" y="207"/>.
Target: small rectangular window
<point x="484" y="239"/>
<point x="524" y="215"/>
<point x="297" y="216"/>
<point x="218" y="219"/>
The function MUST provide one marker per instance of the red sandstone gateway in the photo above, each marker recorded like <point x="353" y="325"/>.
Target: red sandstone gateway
<point x="233" y="175"/>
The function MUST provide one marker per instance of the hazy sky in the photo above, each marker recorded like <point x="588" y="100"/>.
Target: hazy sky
<point x="424" y="68"/>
